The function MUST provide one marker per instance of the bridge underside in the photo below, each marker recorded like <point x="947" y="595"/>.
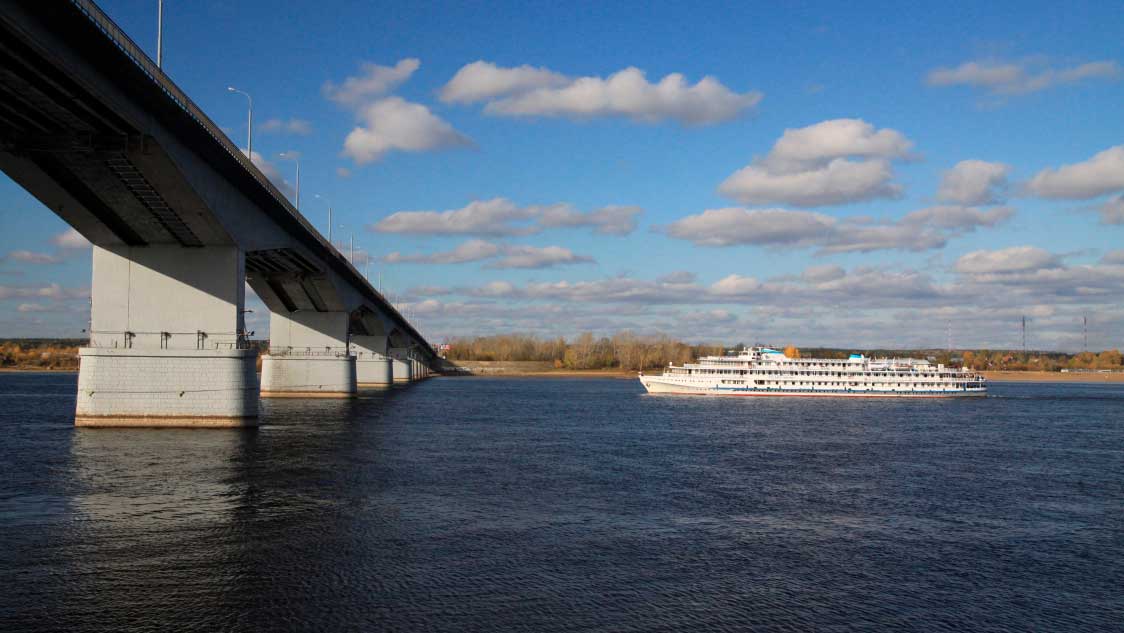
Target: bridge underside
<point x="180" y="221"/>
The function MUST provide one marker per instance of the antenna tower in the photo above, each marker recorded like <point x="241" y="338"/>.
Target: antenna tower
<point x="1085" y="330"/>
<point x="1024" y="335"/>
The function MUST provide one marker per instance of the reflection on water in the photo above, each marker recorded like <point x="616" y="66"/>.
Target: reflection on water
<point x="557" y="505"/>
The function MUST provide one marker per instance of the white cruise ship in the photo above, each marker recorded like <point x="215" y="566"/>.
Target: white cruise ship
<point x="760" y="371"/>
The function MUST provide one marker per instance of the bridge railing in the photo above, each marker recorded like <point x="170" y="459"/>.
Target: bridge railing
<point x="317" y="351"/>
<point x="200" y="340"/>
<point x="107" y="26"/>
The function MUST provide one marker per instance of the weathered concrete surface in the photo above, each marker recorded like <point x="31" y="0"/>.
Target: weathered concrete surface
<point x="372" y="366"/>
<point x="308" y="356"/>
<point x="112" y="422"/>
<point x="167" y="297"/>
<point x="402" y="370"/>
<point x="307" y="331"/>
<point x="166" y="387"/>
<point x="308" y="376"/>
<point x="372" y="371"/>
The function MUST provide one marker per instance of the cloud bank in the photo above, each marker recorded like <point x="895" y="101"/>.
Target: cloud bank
<point x="502" y="217"/>
<point x="921" y="230"/>
<point x="389" y="123"/>
<point x="528" y="91"/>
<point x="832" y="162"/>
<point x="1018" y="78"/>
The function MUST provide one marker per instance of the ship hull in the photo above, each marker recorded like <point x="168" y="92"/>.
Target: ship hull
<point x="654" y="385"/>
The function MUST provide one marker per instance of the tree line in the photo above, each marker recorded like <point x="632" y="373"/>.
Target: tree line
<point x="623" y="350"/>
<point x="629" y="351"/>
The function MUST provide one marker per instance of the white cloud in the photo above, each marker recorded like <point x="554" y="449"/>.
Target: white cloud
<point x="481" y="80"/>
<point x="500" y="216"/>
<point x="31" y="257"/>
<point x="809" y="166"/>
<point x="494" y="217"/>
<point x="50" y="291"/>
<point x="825" y="141"/>
<point x="838" y="182"/>
<point x="373" y="81"/>
<point x="1007" y="260"/>
<point x="920" y="230"/>
<point x="535" y="257"/>
<point x="1112" y="210"/>
<point x="827" y="272"/>
<point x="511" y="256"/>
<point x="610" y="220"/>
<point x="735" y="285"/>
<point x="958" y="218"/>
<point x="973" y="182"/>
<point x="1101" y="174"/>
<point x="36" y="307"/>
<point x="470" y="251"/>
<point x="298" y="127"/>
<point x="388" y="123"/>
<point x="70" y="239"/>
<point x="734" y="225"/>
<point x="1115" y="257"/>
<point x="826" y="305"/>
<point x="396" y="124"/>
<point x="528" y="91"/>
<point x="1020" y="78"/>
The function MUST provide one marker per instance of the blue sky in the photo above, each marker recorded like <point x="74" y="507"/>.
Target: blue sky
<point x="812" y="243"/>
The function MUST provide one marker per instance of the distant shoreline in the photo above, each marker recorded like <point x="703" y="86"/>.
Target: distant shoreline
<point x="537" y="369"/>
<point x="1052" y="376"/>
<point x="44" y="370"/>
<point x="992" y="376"/>
<point x="522" y="372"/>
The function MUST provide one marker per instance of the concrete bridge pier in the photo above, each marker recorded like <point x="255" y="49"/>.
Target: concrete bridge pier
<point x="308" y="356"/>
<point x="373" y="367"/>
<point x="167" y="345"/>
<point x="401" y="366"/>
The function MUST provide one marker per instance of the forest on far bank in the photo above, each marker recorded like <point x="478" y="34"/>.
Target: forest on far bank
<point x="623" y="350"/>
<point x="629" y="351"/>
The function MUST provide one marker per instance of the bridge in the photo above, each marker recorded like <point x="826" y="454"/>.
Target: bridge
<point x="180" y="220"/>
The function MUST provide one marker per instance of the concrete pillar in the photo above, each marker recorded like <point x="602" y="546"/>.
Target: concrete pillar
<point x="166" y="343"/>
<point x="401" y="366"/>
<point x="372" y="365"/>
<point x="308" y="356"/>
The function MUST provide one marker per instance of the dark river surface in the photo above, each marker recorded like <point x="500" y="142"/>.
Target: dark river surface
<point x="488" y="504"/>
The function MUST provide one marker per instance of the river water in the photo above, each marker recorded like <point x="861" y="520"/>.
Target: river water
<point x="486" y="504"/>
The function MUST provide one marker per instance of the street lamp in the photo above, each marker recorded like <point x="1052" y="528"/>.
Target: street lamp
<point x="297" y="158"/>
<point x="249" y="122"/>
<point x="160" y="34"/>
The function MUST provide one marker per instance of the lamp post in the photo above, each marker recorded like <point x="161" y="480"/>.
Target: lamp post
<point x="160" y="34"/>
<point x="249" y="121"/>
<point x="295" y="157"/>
